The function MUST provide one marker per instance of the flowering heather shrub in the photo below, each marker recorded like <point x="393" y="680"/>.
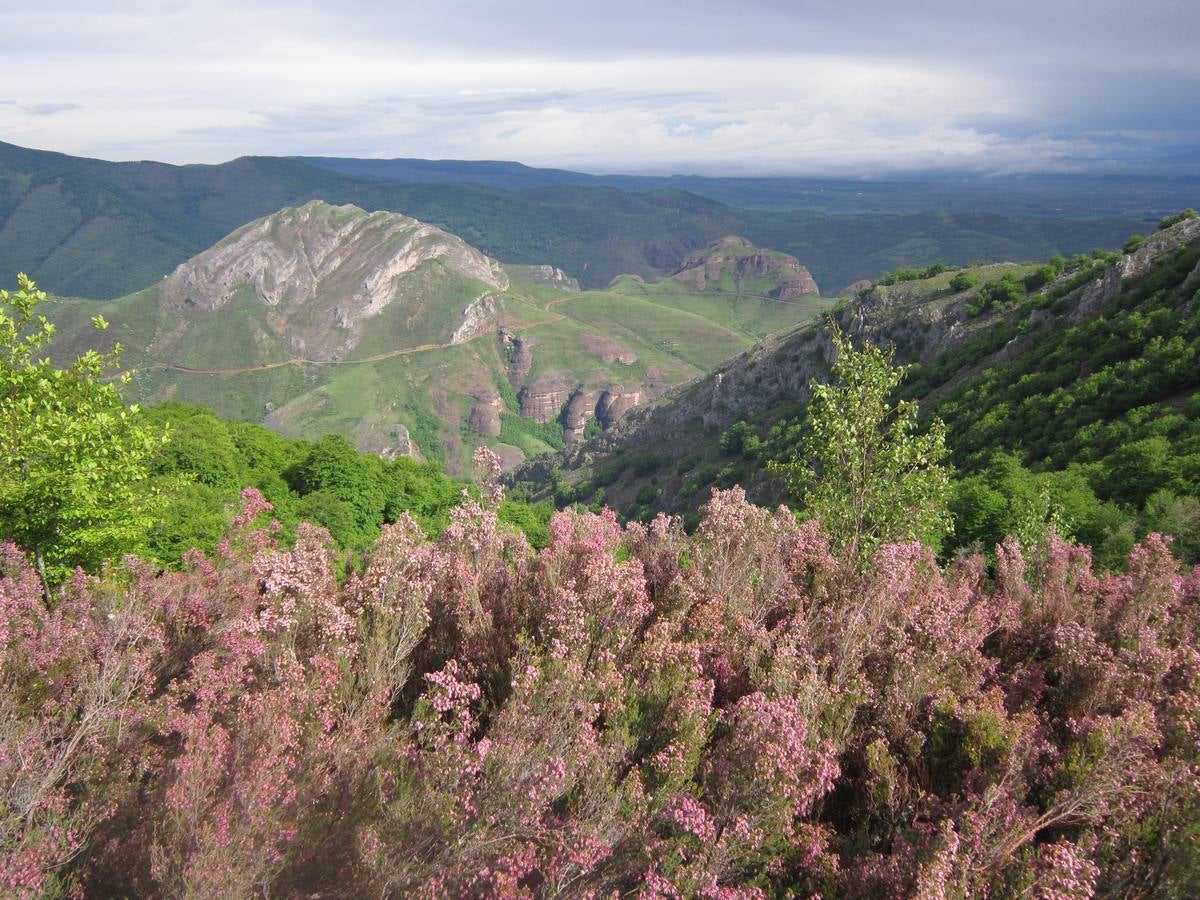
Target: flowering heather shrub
<point x="630" y="711"/>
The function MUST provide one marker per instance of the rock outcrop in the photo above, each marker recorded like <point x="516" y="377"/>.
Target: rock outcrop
<point x="854" y="288"/>
<point x="520" y="357"/>
<point x="581" y="409"/>
<point x="480" y="316"/>
<point x="1108" y="285"/>
<point x="548" y="275"/>
<point x="484" y="417"/>
<point x="322" y="271"/>
<point x="615" y="402"/>
<point x="545" y="397"/>
<point x="734" y="254"/>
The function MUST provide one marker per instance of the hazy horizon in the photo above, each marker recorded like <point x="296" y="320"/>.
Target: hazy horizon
<point x="763" y="88"/>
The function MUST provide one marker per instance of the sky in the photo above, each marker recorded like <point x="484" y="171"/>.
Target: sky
<point x="740" y="87"/>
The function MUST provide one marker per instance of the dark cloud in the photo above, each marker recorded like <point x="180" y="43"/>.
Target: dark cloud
<point x="1032" y="32"/>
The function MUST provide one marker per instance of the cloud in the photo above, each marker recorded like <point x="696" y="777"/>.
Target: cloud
<point x="50" y="109"/>
<point x="754" y="87"/>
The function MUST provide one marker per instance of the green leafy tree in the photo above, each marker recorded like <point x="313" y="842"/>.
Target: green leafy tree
<point x="866" y="473"/>
<point x="73" y="457"/>
<point x="336" y="471"/>
<point x="963" y="281"/>
<point x="1188" y="213"/>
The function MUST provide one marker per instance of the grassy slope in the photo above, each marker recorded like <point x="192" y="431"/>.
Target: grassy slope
<point x="666" y="333"/>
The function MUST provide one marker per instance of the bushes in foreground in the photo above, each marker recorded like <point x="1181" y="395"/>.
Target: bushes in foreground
<point x="735" y="714"/>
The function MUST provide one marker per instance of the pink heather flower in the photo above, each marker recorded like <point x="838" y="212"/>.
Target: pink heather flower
<point x="690" y="815"/>
<point x="1064" y="873"/>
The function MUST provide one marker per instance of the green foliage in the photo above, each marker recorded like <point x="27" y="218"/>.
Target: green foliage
<point x="508" y="395"/>
<point x="74" y="459"/>
<point x="963" y="281"/>
<point x="645" y="463"/>
<point x="1038" y="279"/>
<point x="920" y="274"/>
<point x="531" y="518"/>
<point x="1088" y="409"/>
<point x="1135" y="241"/>
<point x="1002" y="292"/>
<point x="961" y="741"/>
<point x="1179" y="517"/>
<point x="342" y="490"/>
<point x="741" y="438"/>
<point x="325" y="481"/>
<point x="647" y="494"/>
<point x="866" y="473"/>
<point x="1005" y="498"/>
<point x="424" y="429"/>
<point x="517" y="430"/>
<point x="1183" y="216"/>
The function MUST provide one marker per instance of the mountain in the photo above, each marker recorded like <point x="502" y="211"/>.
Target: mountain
<point x="328" y="274"/>
<point x="405" y="338"/>
<point x="1043" y="195"/>
<point x="88" y="227"/>
<point x="1088" y="367"/>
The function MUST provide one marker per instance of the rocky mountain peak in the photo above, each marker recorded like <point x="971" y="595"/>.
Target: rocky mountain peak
<point x="322" y="270"/>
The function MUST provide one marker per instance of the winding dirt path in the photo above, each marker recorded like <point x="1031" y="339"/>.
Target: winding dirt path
<point x="424" y="348"/>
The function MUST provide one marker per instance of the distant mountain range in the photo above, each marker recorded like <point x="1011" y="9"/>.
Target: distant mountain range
<point x="99" y="229"/>
<point x="1042" y="195"/>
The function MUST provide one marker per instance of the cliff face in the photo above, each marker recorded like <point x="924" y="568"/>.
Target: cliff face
<point x="479" y="317"/>
<point x="544" y="398"/>
<point x="742" y="259"/>
<point x="324" y="271"/>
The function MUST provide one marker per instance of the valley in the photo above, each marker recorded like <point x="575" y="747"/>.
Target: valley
<point x="399" y="335"/>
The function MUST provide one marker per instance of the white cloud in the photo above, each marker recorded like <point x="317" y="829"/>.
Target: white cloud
<point x="190" y="83"/>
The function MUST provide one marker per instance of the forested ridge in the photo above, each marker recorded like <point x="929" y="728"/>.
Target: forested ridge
<point x="1071" y="400"/>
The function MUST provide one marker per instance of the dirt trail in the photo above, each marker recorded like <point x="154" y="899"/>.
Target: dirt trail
<point x="378" y="357"/>
<point x="301" y="361"/>
<point x="420" y="348"/>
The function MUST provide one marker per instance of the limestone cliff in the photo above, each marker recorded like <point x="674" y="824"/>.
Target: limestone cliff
<point x="323" y="271"/>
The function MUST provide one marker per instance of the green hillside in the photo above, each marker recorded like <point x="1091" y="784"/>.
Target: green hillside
<point x="98" y="229"/>
<point x="1070" y="392"/>
<point x="276" y="324"/>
